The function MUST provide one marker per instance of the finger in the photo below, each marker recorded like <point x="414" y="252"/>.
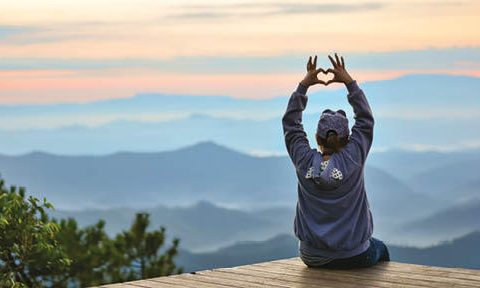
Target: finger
<point x="330" y="81"/>
<point x="315" y="61"/>
<point x="318" y="81"/>
<point x="330" y="70"/>
<point x="309" y="63"/>
<point x="338" y="60"/>
<point x="333" y="62"/>
<point x="319" y="70"/>
<point x="343" y="62"/>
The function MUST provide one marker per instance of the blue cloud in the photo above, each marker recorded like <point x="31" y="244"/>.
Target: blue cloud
<point x="51" y="33"/>
<point x="447" y="58"/>
<point x="205" y="12"/>
<point x="328" y="8"/>
<point x="7" y="31"/>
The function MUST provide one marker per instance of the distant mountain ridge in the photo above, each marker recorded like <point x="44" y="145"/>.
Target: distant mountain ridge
<point x="456" y="181"/>
<point x="242" y="253"/>
<point x="205" y="171"/>
<point x="453" y="221"/>
<point x="460" y="253"/>
<point x="130" y="181"/>
<point x="408" y="109"/>
<point x="457" y="85"/>
<point x="202" y="226"/>
<point x="404" y="164"/>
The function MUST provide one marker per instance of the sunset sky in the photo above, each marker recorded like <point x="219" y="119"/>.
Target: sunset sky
<point x="78" y="51"/>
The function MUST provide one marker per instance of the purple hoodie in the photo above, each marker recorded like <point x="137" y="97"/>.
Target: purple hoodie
<point x="332" y="218"/>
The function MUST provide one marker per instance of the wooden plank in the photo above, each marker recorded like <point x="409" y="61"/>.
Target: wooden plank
<point x="148" y="283"/>
<point x="458" y="271"/>
<point x="184" y="280"/>
<point x="169" y="283"/>
<point x="270" y="279"/>
<point x="363" y="275"/>
<point x="294" y="273"/>
<point x="251" y="280"/>
<point x="380" y="273"/>
<point x="440" y="273"/>
<point x="118" y="285"/>
<point x="241" y="282"/>
<point x="140" y="283"/>
<point x="313" y="277"/>
<point x="284" y="279"/>
<point x="135" y="284"/>
<point x="298" y="261"/>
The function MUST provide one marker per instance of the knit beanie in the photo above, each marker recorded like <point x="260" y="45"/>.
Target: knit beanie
<point x="333" y="121"/>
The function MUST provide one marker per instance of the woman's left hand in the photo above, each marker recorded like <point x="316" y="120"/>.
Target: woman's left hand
<point x="312" y="73"/>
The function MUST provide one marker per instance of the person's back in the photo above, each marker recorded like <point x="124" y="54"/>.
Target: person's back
<point x="333" y="220"/>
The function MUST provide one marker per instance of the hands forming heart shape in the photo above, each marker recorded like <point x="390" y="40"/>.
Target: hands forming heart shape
<point x="340" y="75"/>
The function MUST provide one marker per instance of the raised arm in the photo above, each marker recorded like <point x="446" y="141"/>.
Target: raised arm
<point x="296" y="140"/>
<point x="362" y="131"/>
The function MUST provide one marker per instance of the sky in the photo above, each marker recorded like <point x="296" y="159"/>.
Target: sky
<point x="55" y="51"/>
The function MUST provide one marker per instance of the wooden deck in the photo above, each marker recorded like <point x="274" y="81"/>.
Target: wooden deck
<point x="293" y="273"/>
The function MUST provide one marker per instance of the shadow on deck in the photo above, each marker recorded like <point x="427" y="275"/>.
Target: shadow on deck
<point x="293" y="273"/>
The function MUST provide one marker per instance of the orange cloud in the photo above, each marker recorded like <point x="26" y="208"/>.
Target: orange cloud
<point x="73" y="86"/>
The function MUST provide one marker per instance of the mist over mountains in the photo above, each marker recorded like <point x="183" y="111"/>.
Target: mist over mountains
<point x="205" y="171"/>
<point x="171" y="184"/>
<point x="413" y="112"/>
<point x="213" y="192"/>
<point x="202" y="172"/>
<point x="457" y="220"/>
<point x="200" y="227"/>
<point x="455" y="253"/>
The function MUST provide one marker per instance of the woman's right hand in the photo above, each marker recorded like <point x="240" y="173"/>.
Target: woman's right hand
<point x="340" y="74"/>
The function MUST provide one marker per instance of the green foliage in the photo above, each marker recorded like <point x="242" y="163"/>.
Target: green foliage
<point x="36" y="251"/>
<point x="131" y="255"/>
<point x="89" y="248"/>
<point x="141" y="249"/>
<point x="29" y="252"/>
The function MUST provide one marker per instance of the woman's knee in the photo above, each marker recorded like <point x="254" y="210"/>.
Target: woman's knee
<point x="381" y="249"/>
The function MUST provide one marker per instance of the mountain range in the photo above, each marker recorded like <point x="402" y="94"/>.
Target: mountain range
<point x="216" y="191"/>
<point x="453" y="221"/>
<point x="460" y="252"/>
<point x="205" y="171"/>
<point x="200" y="227"/>
<point x="202" y="172"/>
<point x="170" y="185"/>
<point x="412" y="112"/>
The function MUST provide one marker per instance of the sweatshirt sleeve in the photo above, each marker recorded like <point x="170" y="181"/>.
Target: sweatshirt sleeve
<point x="296" y="140"/>
<point x="362" y="131"/>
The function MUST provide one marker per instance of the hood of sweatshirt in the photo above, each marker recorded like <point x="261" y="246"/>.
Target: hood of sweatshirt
<point x="327" y="174"/>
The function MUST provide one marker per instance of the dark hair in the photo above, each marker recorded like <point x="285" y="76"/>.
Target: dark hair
<point x="332" y="143"/>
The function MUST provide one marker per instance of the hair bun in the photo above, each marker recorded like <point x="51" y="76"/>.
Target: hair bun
<point x="331" y="133"/>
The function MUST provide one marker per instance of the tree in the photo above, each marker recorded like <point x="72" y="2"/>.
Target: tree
<point x="91" y="251"/>
<point x="36" y="251"/>
<point x="29" y="252"/>
<point x="142" y="256"/>
<point x="132" y="255"/>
